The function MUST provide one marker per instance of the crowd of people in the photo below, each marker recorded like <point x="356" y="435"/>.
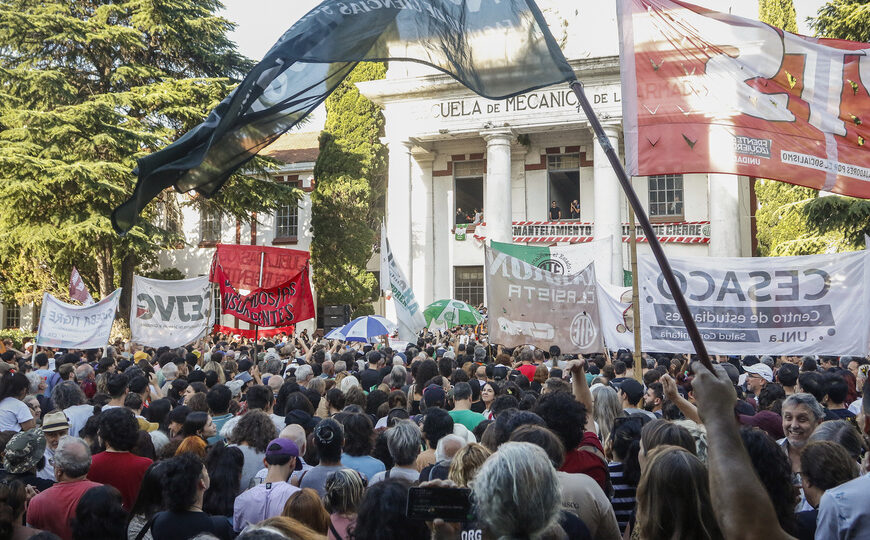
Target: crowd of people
<point x="298" y="437"/>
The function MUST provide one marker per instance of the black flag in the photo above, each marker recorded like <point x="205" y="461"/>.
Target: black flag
<point x="497" y="48"/>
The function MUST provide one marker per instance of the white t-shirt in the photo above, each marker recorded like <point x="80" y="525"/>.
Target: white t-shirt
<point x="78" y="416"/>
<point x="13" y="413"/>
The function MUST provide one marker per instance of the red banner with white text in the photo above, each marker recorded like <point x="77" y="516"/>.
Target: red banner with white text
<point x="708" y="92"/>
<point x="288" y="302"/>
<point x="241" y="264"/>
<point x="253" y="334"/>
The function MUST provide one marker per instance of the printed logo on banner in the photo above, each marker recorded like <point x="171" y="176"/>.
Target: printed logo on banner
<point x="170" y="312"/>
<point x="583" y="330"/>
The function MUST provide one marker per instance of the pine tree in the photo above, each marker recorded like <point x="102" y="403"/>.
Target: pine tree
<point x="347" y="202"/>
<point x="88" y="86"/>
<point x="782" y="227"/>
<point x="844" y="216"/>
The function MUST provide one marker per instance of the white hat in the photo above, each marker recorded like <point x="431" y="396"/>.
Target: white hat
<point x="762" y="370"/>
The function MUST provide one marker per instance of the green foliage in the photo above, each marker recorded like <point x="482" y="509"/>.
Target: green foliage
<point x="170" y="273"/>
<point x="846" y="216"/>
<point x="778" y="13"/>
<point x="843" y="19"/>
<point x="348" y="199"/>
<point x="87" y="88"/>
<point x="17" y="336"/>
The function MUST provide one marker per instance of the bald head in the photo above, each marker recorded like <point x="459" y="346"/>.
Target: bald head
<point x="275" y="383"/>
<point x="295" y="433"/>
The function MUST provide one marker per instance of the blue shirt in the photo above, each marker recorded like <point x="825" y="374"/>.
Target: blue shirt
<point x="219" y="422"/>
<point x="367" y="465"/>
<point x="844" y="511"/>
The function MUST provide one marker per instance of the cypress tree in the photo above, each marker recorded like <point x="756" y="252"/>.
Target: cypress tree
<point x="88" y="86"/>
<point x="347" y="202"/>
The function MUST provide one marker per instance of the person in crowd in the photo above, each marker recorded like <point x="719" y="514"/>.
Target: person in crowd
<point x="99" y="514"/>
<point x="581" y="495"/>
<point x="462" y="412"/>
<point x="268" y="499"/>
<point x="279" y="528"/>
<point x="185" y="481"/>
<point x="24" y="456"/>
<point x="259" y="398"/>
<point x="843" y="433"/>
<point x="328" y="439"/>
<point x="359" y="438"/>
<point x="437" y="423"/>
<point x="488" y="393"/>
<point x="824" y="465"/>
<point x="403" y="441"/>
<point x="624" y="467"/>
<point x="446" y="449"/>
<point x="252" y="434"/>
<point x="116" y="385"/>
<point x="836" y="390"/>
<point x="13" y="503"/>
<point x="148" y="503"/>
<point x="117" y="466"/>
<point x="344" y="492"/>
<point x="53" y="508"/>
<point x="787" y="376"/>
<point x="54" y="426"/>
<point x="69" y="397"/>
<point x="381" y="514"/>
<point x="773" y="469"/>
<point x="801" y="414"/>
<point x="465" y="464"/>
<point x="305" y="507"/>
<point x="673" y="497"/>
<point x="606" y="408"/>
<point x="198" y="427"/>
<point x="14" y="414"/>
<point x="757" y="377"/>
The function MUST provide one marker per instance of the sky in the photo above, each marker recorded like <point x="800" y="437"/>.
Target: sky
<point x="261" y="22"/>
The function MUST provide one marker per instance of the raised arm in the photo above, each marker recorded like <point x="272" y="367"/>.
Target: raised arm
<point x="669" y="385"/>
<point x="740" y="501"/>
<point x="581" y="389"/>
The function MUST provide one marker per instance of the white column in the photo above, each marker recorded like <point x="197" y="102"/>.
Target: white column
<point x="398" y="212"/>
<point x="422" y="240"/>
<point x="607" y="210"/>
<point x="497" y="206"/>
<point x="724" y="201"/>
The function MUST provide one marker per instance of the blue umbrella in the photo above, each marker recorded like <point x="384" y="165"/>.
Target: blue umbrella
<point x="367" y="327"/>
<point x="335" y="333"/>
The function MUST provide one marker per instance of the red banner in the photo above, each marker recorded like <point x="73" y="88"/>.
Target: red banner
<point x="708" y="92"/>
<point x="288" y="302"/>
<point x="241" y="265"/>
<point x="252" y="334"/>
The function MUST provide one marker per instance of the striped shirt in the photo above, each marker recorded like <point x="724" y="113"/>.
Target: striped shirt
<point x="623" y="500"/>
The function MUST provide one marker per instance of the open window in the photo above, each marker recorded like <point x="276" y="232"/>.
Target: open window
<point x="468" y="187"/>
<point x="563" y="172"/>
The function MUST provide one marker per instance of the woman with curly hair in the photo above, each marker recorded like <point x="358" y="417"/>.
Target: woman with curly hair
<point x="99" y="514"/>
<point x="381" y="514"/>
<point x="251" y="435"/>
<point x="465" y="464"/>
<point x="773" y="469"/>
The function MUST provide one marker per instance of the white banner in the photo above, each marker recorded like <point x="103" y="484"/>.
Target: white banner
<point x="617" y="316"/>
<point x="393" y="283"/>
<point x="814" y="304"/>
<point x="67" y="326"/>
<point x="170" y="312"/>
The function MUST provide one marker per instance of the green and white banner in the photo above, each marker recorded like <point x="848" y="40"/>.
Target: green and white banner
<point x="565" y="260"/>
<point x="395" y="284"/>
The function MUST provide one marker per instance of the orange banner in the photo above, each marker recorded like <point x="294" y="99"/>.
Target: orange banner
<point x="708" y="92"/>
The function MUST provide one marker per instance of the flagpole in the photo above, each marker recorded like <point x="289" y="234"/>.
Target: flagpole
<point x="634" y="202"/>
<point x="257" y="326"/>
<point x="635" y="300"/>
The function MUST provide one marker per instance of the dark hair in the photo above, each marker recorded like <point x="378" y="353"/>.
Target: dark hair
<point x="176" y="388"/>
<point x="564" y="415"/>
<point x="99" y="514"/>
<point x="335" y="398"/>
<point x="544" y="438"/>
<point x="149" y="501"/>
<point x="381" y="514"/>
<point x="138" y="384"/>
<point x="328" y="439"/>
<point x="436" y="424"/>
<point x="502" y="403"/>
<point x="119" y="429"/>
<point x="836" y="388"/>
<point x="224" y="464"/>
<point x="13" y="497"/>
<point x="358" y="434"/>
<point x="259" y="396"/>
<point x="426" y="370"/>
<point x="770" y="397"/>
<point x="12" y="383"/>
<point x="194" y="422"/>
<point x="158" y="411"/>
<point x="133" y="401"/>
<point x="180" y="477"/>
<point x="116" y="384"/>
<point x="298" y="401"/>
<point x="374" y="400"/>
<point x="256" y="429"/>
<point x="774" y="470"/>
<point x="813" y="383"/>
<point x="826" y="464"/>
<point x="787" y="375"/>
<point x="625" y="443"/>
<point x="219" y="398"/>
<point x="197" y="402"/>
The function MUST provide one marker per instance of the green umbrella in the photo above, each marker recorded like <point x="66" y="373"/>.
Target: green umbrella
<point x="451" y="313"/>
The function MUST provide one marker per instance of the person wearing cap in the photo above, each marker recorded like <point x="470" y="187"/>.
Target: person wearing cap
<point x="631" y="394"/>
<point x="24" y="456"/>
<point x="54" y="426"/>
<point x="267" y="499"/>
<point x="52" y="509"/>
<point x="757" y="377"/>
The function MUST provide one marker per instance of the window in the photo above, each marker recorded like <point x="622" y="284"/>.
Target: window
<point x="563" y="172"/>
<point x="11" y="315"/>
<point x="168" y="214"/>
<point x="666" y="197"/>
<point x="468" y="186"/>
<point x="468" y="284"/>
<point x="287" y="221"/>
<point x="210" y="226"/>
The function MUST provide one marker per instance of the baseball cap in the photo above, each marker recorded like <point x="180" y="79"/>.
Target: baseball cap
<point x="24" y="451"/>
<point x="55" y="421"/>
<point x="762" y="370"/>
<point x="434" y="395"/>
<point x="284" y="448"/>
<point x="768" y="421"/>
<point x="244" y="377"/>
<point x="633" y="390"/>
